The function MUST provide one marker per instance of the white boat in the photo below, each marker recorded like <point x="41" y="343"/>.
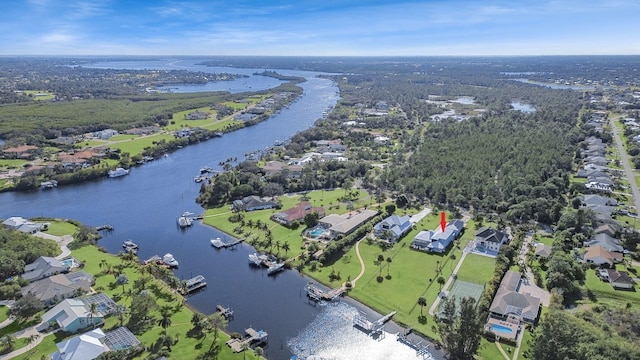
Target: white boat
<point x="206" y="169"/>
<point x="169" y="260"/>
<point x="128" y="244"/>
<point x="255" y="259"/>
<point x="185" y="219"/>
<point x="49" y="184"/>
<point x="275" y="268"/>
<point x="118" y="172"/>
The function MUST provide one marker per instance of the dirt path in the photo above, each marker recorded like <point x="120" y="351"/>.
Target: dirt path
<point x="362" y="267"/>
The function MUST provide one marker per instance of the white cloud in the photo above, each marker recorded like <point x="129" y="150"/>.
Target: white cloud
<point x="57" y="38"/>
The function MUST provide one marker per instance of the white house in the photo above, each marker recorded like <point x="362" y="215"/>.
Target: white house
<point x="490" y="239"/>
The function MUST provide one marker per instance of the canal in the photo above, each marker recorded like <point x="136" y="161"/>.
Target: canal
<point x="144" y="205"/>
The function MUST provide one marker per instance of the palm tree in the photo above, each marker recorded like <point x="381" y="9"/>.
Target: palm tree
<point x="389" y="260"/>
<point x="102" y="264"/>
<point x="93" y="309"/>
<point x="453" y="258"/>
<point x="441" y="282"/>
<point x="245" y="347"/>
<point x="422" y="302"/>
<point x="165" y="318"/>
<point x="286" y="247"/>
<point x="120" y="310"/>
<point x="217" y="322"/>
<point x="259" y="351"/>
<point x="32" y="339"/>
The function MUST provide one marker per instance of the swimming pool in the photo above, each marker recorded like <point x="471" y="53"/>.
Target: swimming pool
<point x="69" y="262"/>
<point x="316" y="232"/>
<point x="501" y="328"/>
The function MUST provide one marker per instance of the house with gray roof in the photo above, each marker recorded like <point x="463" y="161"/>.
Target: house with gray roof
<point x="609" y="243"/>
<point x="345" y="224"/>
<point x="252" y="203"/>
<point x="437" y="240"/>
<point x="52" y="289"/>
<point x="43" y="267"/>
<point x="23" y="225"/>
<point x="543" y="251"/>
<point x="619" y="279"/>
<point x="393" y="227"/>
<point x="509" y="303"/>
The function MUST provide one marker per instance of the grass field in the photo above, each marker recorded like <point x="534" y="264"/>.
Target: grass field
<point x="59" y="228"/>
<point x="4" y="313"/>
<point x="40" y="95"/>
<point x="476" y="269"/>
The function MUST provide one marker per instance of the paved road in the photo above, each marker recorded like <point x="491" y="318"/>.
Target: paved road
<point x="624" y="157"/>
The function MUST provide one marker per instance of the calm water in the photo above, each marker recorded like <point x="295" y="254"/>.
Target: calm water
<point x="523" y="107"/>
<point x="144" y="205"/>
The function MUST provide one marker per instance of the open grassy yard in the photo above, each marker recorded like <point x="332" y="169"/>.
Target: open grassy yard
<point x="59" y="228"/>
<point x="4" y="313"/>
<point x="137" y="145"/>
<point x="477" y="269"/>
<point x="598" y="291"/>
<point x="39" y="95"/>
<point x="12" y="163"/>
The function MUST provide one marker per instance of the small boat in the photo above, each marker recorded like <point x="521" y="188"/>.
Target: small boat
<point x="48" y="184"/>
<point x="275" y="268"/>
<point x="185" y="219"/>
<point x="128" y="244"/>
<point x="118" y="172"/>
<point x="200" y="178"/>
<point x="169" y="260"/>
<point x="206" y="169"/>
<point x="255" y="259"/>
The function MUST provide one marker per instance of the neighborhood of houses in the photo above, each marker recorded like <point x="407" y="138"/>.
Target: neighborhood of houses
<point x="67" y="293"/>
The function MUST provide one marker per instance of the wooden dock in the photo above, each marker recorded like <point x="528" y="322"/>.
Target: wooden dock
<point x="227" y="312"/>
<point x="104" y="227"/>
<point x="239" y="345"/>
<point x="317" y="294"/>
<point x="220" y="244"/>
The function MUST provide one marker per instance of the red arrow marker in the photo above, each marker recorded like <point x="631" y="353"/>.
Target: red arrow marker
<point x="443" y="220"/>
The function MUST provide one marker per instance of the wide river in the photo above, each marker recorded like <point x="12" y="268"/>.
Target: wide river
<point x="144" y="205"/>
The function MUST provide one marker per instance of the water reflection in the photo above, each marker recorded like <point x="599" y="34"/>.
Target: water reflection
<point x="331" y="336"/>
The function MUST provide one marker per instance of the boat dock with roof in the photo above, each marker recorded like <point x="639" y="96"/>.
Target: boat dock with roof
<point x="238" y="345"/>
<point x="317" y="294"/>
<point x="194" y="284"/>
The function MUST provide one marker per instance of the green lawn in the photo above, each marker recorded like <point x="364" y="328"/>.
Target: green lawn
<point x="137" y="145"/>
<point x="4" y="313"/>
<point x="59" y="228"/>
<point x="40" y="95"/>
<point x="12" y="163"/>
<point x="489" y="350"/>
<point x="602" y="292"/>
<point x="477" y="269"/>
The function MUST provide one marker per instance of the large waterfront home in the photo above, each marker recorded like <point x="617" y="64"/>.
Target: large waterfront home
<point x="345" y="224"/>
<point x="251" y="203"/>
<point x="296" y="214"/>
<point x="437" y="240"/>
<point x="52" y="289"/>
<point x="393" y="227"/>
<point x="23" y="225"/>
<point x="43" y="267"/>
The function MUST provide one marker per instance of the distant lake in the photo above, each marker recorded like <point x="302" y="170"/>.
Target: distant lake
<point x="523" y="107"/>
<point x="557" y="86"/>
<point x="1" y="142"/>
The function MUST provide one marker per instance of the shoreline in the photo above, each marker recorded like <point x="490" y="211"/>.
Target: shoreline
<point x="391" y="326"/>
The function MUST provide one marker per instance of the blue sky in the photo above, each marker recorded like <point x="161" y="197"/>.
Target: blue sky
<point x="327" y="27"/>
